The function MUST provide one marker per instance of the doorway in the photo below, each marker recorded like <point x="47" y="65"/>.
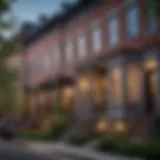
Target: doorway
<point x="150" y="93"/>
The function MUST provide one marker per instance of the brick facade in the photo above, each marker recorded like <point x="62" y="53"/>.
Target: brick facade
<point x="125" y="52"/>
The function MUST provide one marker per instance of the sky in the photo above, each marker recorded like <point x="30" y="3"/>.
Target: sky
<point x="30" y="9"/>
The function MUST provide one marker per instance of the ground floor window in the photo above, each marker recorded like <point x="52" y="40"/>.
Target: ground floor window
<point x="116" y="81"/>
<point x="83" y="83"/>
<point x="133" y="82"/>
<point x="68" y="96"/>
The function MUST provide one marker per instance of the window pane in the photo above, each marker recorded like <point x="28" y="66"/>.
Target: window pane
<point x="133" y="82"/>
<point x="68" y="51"/>
<point x="81" y="46"/>
<point x="132" y="21"/>
<point x="113" y="31"/>
<point x="151" y="21"/>
<point x="116" y="84"/>
<point x="96" y="38"/>
<point x="56" y="56"/>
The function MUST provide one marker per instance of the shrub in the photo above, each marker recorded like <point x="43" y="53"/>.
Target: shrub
<point x="82" y="138"/>
<point x="131" y="147"/>
<point x="33" y="135"/>
<point x="59" y="124"/>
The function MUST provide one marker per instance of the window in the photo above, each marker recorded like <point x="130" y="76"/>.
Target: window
<point x="133" y="82"/>
<point x="116" y="84"/>
<point x="56" y="55"/>
<point x="68" y="51"/>
<point x="150" y="17"/>
<point x="132" y="25"/>
<point x="96" y="37"/>
<point x="81" y="44"/>
<point x="113" y="30"/>
<point x="46" y="61"/>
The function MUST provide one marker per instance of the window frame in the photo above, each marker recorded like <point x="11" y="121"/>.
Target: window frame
<point x="68" y="57"/>
<point x="110" y="16"/>
<point x="81" y="35"/>
<point x="94" y="27"/>
<point x="130" y="4"/>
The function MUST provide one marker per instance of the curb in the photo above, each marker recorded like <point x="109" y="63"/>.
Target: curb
<point x="72" y="151"/>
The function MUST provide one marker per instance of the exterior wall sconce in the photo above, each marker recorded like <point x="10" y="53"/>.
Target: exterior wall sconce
<point x="120" y="126"/>
<point x="83" y="84"/>
<point x="102" y="125"/>
<point x="150" y="63"/>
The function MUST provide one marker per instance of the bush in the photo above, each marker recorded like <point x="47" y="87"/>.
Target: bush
<point x="122" y="145"/>
<point x="59" y="123"/>
<point x="82" y="138"/>
<point x="33" y="135"/>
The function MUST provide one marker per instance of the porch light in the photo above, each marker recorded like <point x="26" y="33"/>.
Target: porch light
<point x="120" y="126"/>
<point x="69" y="92"/>
<point x="150" y="63"/>
<point x="68" y="95"/>
<point x="83" y="84"/>
<point x="102" y="125"/>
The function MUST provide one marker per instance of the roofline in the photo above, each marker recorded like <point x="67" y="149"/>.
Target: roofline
<point x="59" y="20"/>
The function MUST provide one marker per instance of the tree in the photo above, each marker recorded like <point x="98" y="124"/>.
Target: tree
<point x="7" y="47"/>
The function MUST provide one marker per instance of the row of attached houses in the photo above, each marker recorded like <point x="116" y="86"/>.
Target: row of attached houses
<point x="102" y="59"/>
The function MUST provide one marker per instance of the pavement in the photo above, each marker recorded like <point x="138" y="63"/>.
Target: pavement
<point x="9" y="151"/>
<point x="29" y="150"/>
<point x="65" y="151"/>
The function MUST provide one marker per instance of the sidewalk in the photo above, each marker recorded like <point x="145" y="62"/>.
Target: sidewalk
<point x="67" y="150"/>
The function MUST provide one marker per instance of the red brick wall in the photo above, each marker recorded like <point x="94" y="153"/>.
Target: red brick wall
<point x="83" y="22"/>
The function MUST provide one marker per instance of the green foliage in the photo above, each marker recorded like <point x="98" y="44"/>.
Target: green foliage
<point x="83" y="137"/>
<point x="33" y="135"/>
<point x="58" y="125"/>
<point x="131" y="147"/>
<point x="7" y="47"/>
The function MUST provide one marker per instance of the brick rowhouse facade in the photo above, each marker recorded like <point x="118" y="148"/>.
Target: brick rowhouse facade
<point x="104" y="55"/>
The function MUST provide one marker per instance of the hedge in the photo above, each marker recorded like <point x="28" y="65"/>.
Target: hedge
<point x="83" y="137"/>
<point x="131" y="147"/>
<point x="58" y="125"/>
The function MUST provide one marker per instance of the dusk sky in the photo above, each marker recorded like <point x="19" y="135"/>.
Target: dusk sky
<point x="30" y="9"/>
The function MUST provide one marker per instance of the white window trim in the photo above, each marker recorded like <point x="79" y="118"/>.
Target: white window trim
<point x="56" y="55"/>
<point x="80" y="33"/>
<point x="94" y="25"/>
<point x="113" y="14"/>
<point x="68" y="47"/>
<point x="127" y="5"/>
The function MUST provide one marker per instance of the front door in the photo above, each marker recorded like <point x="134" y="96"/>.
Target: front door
<point x="149" y="81"/>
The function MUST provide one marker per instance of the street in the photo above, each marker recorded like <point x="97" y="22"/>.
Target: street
<point x="9" y="151"/>
<point x="13" y="152"/>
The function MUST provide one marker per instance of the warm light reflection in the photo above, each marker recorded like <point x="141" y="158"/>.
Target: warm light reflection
<point x="120" y="126"/>
<point x="102" y="125"/>
<point x="116" y="84"/>
<point x="150" y="63"/>
<point x="83" y="83"/>
<point x="133" y="81"/>
<point x="68" y="95"/>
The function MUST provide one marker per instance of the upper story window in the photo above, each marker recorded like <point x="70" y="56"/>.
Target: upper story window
<point x="56" y="55"/>
<point x="68" y="51"/>
<point x="112" y="25"/>
<point x="46" y="61"/>
<point x="96" y="37"/>
<point x="132" y="18"/>
<point x="150" y="19"/>
<point x="81" y="44"/>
